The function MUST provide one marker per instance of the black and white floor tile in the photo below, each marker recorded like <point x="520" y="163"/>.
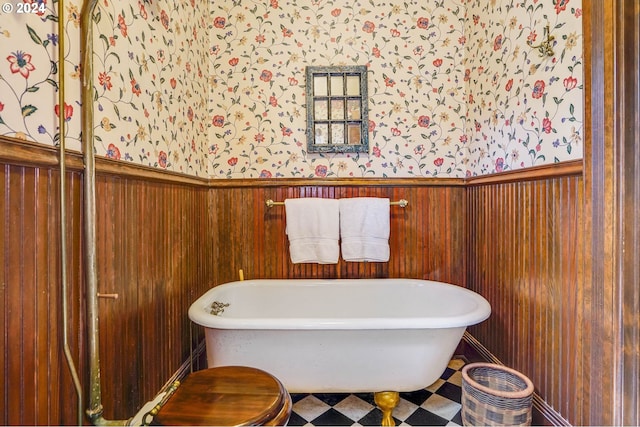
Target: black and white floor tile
<point x="436" y="405"/>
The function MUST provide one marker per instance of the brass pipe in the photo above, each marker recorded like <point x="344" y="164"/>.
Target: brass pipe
<point x="403" y="203"/>
<point x="95" y="409"/>
<point x="63" y="212"/>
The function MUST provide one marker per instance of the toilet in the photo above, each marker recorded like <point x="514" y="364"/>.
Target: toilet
<point x="227" y="396"/>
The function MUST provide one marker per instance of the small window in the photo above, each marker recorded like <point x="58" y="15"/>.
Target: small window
<point x="337" y="109"/>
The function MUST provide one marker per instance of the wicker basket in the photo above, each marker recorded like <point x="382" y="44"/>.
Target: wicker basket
<point x="494" y="395"/>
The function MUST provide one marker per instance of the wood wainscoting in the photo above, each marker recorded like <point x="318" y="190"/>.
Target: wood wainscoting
<point x="427" y="237"/>
<point x="36" y="386"/>
<point x="153" y="251"/>
<point x="525" y="253"/>
<point x="155" y="254"/>
<point x="164" y="240"/>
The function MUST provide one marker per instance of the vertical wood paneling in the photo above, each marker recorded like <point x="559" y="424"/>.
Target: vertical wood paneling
<point x="14" y="302"/>
<point x="153" y="251"/>
<point x="425" y="238"/>
<point x="524" y="254"/>
<point x="37" y="388"/>
<point x="527" y="272"/>
<point x="161" y="245"/>
<point x="41" y="329"/>
<point x="4" y="324"/>
<point x="626" y="150"/>
<point x="29" y="264"/>
<point x="157" y="259"/>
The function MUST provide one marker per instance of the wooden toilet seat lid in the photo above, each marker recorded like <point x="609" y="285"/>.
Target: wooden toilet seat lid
<point x="227" y="396"/>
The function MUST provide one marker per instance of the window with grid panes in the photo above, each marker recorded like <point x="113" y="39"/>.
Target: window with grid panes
<point x="337" y="109"/>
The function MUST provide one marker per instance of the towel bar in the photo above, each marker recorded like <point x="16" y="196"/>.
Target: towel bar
<point x="402" y="203"/>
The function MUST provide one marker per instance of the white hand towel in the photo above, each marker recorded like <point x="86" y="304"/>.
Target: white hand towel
<point x="313" y="228"/>
<point x="364" y="229"/>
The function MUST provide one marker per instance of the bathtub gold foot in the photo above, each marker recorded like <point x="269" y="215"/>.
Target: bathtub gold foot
<point x="387" y="401"/>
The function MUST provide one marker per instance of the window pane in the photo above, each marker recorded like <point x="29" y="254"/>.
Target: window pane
<point x="337" y="86"/>
<point x="337" y="133"/>
<point x="353" y="109"/>
<point x="337" y="109"/>
<point x="321" y="109"/>
<point x="320" y="85"/>
<point x="321" y="132"/>
<point x="354" y="133"/>
<point x="353" y="85"/>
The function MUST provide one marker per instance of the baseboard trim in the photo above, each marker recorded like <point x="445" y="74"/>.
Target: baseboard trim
<point x="550" y="416"/>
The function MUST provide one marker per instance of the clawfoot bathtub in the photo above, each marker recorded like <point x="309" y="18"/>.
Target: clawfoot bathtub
<point x="339" y="335"/>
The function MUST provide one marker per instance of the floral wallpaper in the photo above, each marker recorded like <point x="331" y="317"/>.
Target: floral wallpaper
<point x="454" y="88"/>
<point x="150" y="70"/>
<point x="30" y="72"/>
<point x="523" y="109"/>
<point x="218" y="89"/>
<point x="415" y="53"/>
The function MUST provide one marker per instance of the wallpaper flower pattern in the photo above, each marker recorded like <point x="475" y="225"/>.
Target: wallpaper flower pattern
<point x="523" y="109"/>
<point x="219" y="90"/>
<point x="30" y="73"/>
<point x="415" y="55"/>
<point x="150" y="70"/>
<point x="454" y="88"/>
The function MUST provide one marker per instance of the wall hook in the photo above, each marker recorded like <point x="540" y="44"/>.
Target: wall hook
<point x="544" y="48"/>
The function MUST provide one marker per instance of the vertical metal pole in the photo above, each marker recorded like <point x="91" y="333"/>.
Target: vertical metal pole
<point x="63" y="210"/>
<point x="95" y="396"/>
<point x="95" y="409"/>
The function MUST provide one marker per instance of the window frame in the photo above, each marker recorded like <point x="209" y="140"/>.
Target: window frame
<point x="345" y="98"/>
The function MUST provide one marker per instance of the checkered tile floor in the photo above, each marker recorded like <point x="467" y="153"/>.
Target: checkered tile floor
<point x="436" y="405"/>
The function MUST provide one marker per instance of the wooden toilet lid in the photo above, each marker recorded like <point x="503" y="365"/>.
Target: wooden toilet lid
<point x="227" y="396"/>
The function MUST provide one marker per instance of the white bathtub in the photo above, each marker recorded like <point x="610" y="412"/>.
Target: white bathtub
<point x="342" y="335"/>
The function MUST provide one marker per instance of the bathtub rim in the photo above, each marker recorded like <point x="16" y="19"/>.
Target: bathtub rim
<point x="198" y="310"/>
